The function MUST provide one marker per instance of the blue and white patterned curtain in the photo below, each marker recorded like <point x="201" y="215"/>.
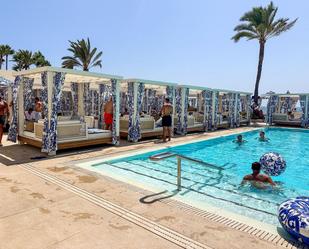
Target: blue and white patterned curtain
<point x="94" y="96"/>
<point x="87" y="99"/>
<point x="74" y="91"/>
<point x="216" y="108"/>
<point x="145" y="101"/>
<point x="193" y="102"/>
<point x="207" y="108"/>
<point x="178" y="124"/>
<point x="65" y="102"/>
<point x="12" y="136"/>
<point x="243" y="104"/>
<point x="238" y="108"/>
<point x="185" y="107"/>
<point x="4" y="84"/>
<point x="248" y="107"/>
<point x="225" y="103"/>
<point x="158" y="103"/>
<point x="131" y="127"/>
<point x="231" y="108"/>
<point x="286" y="105"/>
<point x="49" y="140"/>
<point x="115" y="138"/>
<point x="45" y="138"/>
<point x="134" y="131"/>
<point x="271" y="107"/>
<point x="304" y="120"/>
<point x="140" y="95"/>
<point x="169" y="93"/>
<point x="123" y="102"/>
<point x="152" y="102"/>
<point x="28" y="93"/>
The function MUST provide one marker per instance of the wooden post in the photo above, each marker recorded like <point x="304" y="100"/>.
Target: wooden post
<point x="81" y="109"/>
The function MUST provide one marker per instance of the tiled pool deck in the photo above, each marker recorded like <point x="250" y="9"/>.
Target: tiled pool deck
<point x="51" y="203"/>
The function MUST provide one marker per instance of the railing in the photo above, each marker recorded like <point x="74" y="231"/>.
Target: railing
<point x="179" y="158"/>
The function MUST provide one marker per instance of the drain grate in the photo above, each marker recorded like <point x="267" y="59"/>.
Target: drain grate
<point x="139" y="220"/>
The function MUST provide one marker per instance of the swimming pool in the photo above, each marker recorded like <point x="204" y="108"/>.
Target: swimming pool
<point x="221" y="188"/>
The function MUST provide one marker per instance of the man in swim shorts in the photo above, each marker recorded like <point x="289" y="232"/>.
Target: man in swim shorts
<point x="166" y="111"/>
<point x="3" y="112"/>
<point x="108" y="114"/>
<point x="256" y="177"/>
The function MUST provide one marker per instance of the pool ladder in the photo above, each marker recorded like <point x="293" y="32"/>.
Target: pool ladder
<point x="179" y="158"/>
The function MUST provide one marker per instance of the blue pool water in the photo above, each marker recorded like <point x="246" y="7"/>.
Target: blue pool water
<point x="221" y="188"/>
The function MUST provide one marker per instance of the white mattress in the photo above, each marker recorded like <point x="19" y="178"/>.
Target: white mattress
<point x="98" y="133"/>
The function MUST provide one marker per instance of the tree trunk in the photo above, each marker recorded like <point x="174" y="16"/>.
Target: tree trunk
<point x="6" y="62"/>
<point x="259" y="71"/>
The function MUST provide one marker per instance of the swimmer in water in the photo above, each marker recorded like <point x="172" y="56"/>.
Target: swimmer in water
<point x="256" y="179"/>
<point x="262" y="137"/>
<point x="239" y="140"/>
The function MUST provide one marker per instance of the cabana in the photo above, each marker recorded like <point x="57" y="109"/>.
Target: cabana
<point x="141" y="103"/>
<point x="244" y="108"/>
<point x="288" y="109"/>
<point x="63" y="128"/>
<point x="231" y="108"/>
<point x="194" y="109"/>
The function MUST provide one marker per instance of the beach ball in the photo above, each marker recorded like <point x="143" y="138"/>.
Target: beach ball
<point x="293" y="216"/>
<point x="273" y="163"/>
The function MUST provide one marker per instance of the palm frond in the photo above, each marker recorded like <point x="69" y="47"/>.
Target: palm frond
<point x="82" y="55"/>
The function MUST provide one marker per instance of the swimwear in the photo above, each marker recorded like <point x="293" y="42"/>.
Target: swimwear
<point x="167" y="121"/>
<point x="2" y="119"/>
<point x="108" y="118"/>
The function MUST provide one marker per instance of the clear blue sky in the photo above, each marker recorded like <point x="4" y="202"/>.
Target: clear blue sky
<point x="170" y="40"/>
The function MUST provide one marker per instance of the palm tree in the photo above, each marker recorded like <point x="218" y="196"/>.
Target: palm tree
<point x="83" y="56"/>
<point x="23" y="60"/>
<point x="5" y="51"/>
<point x="39" y="60"/>
<point x="260" y="24"/>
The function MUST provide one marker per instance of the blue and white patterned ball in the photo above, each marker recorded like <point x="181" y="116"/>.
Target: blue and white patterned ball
<point x="293" y="215"/>
<point x="273" y="163"/>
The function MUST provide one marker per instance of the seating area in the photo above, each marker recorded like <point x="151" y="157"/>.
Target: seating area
<point x="71" y="103"/>
<point x="288" y="110"/>
<point x="73" y="107"/>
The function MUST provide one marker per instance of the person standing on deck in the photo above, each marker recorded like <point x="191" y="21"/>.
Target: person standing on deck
<point x="166" y="111"/>
<point x="108" y="114"/>
<point x="3" y="112"/>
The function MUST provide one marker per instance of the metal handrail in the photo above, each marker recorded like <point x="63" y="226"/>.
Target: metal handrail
<point x="179" y="159"/>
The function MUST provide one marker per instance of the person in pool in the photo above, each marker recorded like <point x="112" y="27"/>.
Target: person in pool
<point x="258" y="180"/>
<point x="239" y="140"/>
<point x="262" y="137"/>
